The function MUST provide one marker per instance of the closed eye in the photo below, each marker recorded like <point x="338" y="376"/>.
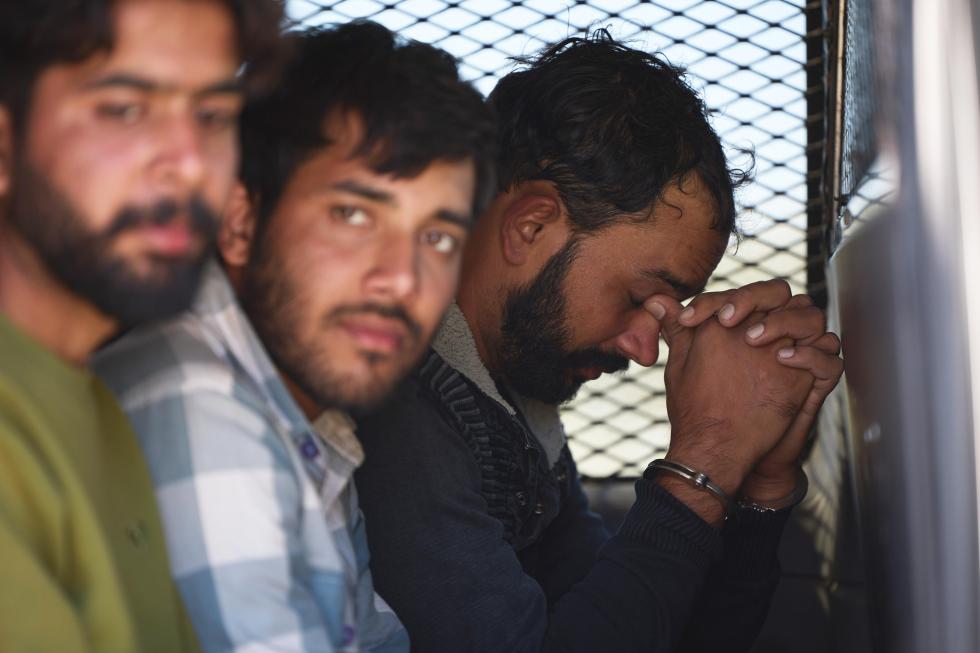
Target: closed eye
<point x="636" y="302"/>
<point x="217" y="119"/>
<point x="124" y="112"/>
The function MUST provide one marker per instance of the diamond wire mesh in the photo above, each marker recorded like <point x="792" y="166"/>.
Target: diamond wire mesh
<point x="858" y="141"/>
<point x="746" y="57"/>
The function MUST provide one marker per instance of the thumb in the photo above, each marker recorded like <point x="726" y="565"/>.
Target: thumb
<point x="667" y="312"/>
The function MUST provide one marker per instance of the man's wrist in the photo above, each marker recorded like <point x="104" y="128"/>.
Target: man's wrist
<point x="770" y="486"/>
<point x="727" y="472"/>
<point x="775" y="496"/>
<point x="705" y="449"/>
<point x="698" y="501"/>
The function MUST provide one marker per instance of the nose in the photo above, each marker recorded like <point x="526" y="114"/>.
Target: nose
<point x="395" y="273"/>
<point x="180" y="163"/>
<point x="640" y="341"/>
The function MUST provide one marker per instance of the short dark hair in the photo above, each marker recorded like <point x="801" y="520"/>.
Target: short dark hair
<point x="413" y="105"/>
<point x="611" y="127"/>
<point x="37" y="34"/>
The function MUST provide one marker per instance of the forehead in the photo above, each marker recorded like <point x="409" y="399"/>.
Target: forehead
<point x="440" y="183"/>
<point x="337" y="166"/>
<point x="677" y="247"/>
<point x="176" y="44"/>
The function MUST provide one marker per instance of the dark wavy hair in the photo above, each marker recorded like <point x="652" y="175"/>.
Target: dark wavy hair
<point x="414" y="107"/>
<point x="611" y="127"/>
<point x="37" y="34"/>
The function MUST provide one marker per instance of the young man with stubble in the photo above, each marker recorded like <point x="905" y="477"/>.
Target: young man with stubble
<point x="362" y="175"/>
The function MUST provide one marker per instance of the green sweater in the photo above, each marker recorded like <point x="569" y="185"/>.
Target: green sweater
<point x="83" y="564"/>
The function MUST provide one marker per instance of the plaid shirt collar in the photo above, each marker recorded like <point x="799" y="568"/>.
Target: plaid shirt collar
<point x="218" y="307"/>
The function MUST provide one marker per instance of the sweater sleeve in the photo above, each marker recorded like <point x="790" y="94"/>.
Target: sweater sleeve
<point x="739" y="589"/>
<point x="443" y="564"/>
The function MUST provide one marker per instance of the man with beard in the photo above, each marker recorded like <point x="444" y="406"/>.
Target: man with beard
<point x="615" y="202"/>
<point x="362" y="174"/>
<point x="117" y="150"/>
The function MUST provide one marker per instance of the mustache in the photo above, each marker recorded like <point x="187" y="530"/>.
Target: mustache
<point x="201" y="219"/>
<point x="389" y="311"/>
<point x="594" y="357"/>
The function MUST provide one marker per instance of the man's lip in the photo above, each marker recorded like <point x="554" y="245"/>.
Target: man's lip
<point x="583" y="374"/>
<point x="591" y="373"/>
<point x="376" y="334"/>
<point x="175" y="239"/>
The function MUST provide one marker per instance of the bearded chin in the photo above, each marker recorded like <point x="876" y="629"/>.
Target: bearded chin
<point x="534" y="354"/>
<point x="534" y="334"/>
<point x="83" y="261"/>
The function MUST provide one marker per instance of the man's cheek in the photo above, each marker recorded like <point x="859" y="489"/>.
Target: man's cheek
<point x="221" y="166"/>
<point x="437" y="300"/>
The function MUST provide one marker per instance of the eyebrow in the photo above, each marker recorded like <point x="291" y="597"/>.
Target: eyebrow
<point x="383" y="197"/>
<point x="368" y="193"/>
<point x="124" y="80"/>
<point x="683" y="288"/>
<point x="464" y="221"/>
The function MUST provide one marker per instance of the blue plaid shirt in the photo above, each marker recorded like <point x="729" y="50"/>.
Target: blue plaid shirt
<point x="266" y="540"/>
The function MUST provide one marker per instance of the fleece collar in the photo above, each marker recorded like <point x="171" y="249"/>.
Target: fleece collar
<point x="455" y="344"/>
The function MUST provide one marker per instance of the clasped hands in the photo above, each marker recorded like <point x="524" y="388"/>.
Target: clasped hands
<point x="747" y="373"/>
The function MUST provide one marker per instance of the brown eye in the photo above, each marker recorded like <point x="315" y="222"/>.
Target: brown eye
<point x="350" y="215"/>
<point x="442" y="242"/>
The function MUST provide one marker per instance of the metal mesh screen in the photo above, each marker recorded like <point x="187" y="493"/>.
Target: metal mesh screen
<point x="746" y="56"/>
<point x="858" y="143"/>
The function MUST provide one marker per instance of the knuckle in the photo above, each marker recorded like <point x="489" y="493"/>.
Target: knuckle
<point x="724" y="295"/>
<point x="830" y="343"/>
<point x="803" y="300"/>
<point x="709" y="327"/>
<point x="761" y="316"/>
<point x="703" y="298"/>
<point x="775" y="284"/>
<point x="784" y="408"/>
<point x="817" y="316"/>
<point x="740" y="296"/>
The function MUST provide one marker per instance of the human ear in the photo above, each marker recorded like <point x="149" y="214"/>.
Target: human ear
<point x="237" y="230"/>
<point x="528" y="222"/>
<point x="6" y="151"/>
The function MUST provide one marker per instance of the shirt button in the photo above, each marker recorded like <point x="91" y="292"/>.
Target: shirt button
<point x="539" y="509"/>
<point x="521" y="498"/>
<point x="309" y="449"/>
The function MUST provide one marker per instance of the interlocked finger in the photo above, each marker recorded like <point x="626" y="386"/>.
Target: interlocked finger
<point x="733" y="306"/>
<point x="805" y="325"/>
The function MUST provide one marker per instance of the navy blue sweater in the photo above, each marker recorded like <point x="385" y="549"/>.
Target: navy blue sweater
<point x="481" y="546"/>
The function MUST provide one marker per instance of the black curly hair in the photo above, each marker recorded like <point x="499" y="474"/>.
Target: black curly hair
<point x="611" y="127"/>
<point x="414" y="107"/>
